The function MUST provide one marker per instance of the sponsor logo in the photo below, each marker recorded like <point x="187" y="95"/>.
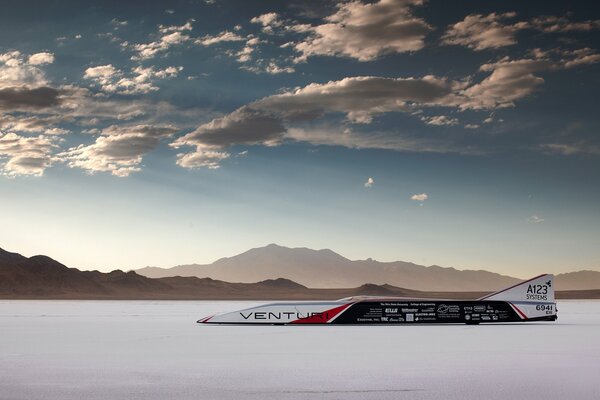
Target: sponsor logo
<point x="538" y="292"/>
<point x="444" y="309"/>
<point x="391" y="310"/>
<point x="285" y="315"/>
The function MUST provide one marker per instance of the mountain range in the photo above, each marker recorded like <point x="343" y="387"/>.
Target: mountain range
<point x="327" y="269"/>
<point x="41" y="277"/>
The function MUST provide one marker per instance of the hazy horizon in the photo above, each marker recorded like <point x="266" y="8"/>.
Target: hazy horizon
<point x="169" y="133"/>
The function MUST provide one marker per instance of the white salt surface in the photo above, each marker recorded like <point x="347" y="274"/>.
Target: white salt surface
<point x="155" y="350"/>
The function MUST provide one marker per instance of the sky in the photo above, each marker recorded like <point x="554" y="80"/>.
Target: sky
<point x="462" y="134"/>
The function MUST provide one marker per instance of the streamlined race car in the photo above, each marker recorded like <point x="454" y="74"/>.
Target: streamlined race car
<point x="532" y="300"/>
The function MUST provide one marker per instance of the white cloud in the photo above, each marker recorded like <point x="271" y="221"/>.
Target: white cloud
<point x="369" y="182"/>
<point x="268" y="21"/>
<point x="360" y="98"/>
<point x="15" y="72"/>
<point x="581" y="57"/>
<point x="509" y="80"/>
<point x="139" y="81"/>
<point x="26" y="155"/>
<point x="534" y="219"/>
<point x="365" y="31"/>
<point x="169" y="36"/>
<point x="550" y="24"/>
<point x="439" y="120"/>
<point x="494" y="30"/>
<point x="225" y="36"/>
<point x="101" y="71"/>
<point x="480" y="32"/>
<point x="41" y="58"/>
<point x="119" y="150"/>
<point x="421" y="197"/>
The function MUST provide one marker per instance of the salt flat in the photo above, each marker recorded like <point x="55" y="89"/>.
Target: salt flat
<point x="155" y="350"/>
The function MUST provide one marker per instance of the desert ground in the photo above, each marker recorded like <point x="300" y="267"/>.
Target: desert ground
<point x="155" y="350"/>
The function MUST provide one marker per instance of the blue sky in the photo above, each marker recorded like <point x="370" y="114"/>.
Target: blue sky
<point x="162" y="133"/>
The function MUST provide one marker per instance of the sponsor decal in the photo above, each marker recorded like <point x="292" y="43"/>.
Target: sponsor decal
<point x="538" y="292"/>
<point x="448" y="309"/>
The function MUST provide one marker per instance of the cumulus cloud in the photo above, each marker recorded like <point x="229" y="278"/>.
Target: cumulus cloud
<point x="360" y="98"/>
<point x="534" y="219"/>
<point x="23" y="85"/>
<point x="270" y="120"/>
<point x="274" y="118"/>
<point x="551" y="24"/>
<point x="25" y="155"/>
<point x="480" y="32"/>
<point x="494" y="30"/>
<point x="268" y="21"/>
<point x="581" y="57"/>
<point x="140" y="80"/>
<point x="16" y="72"/>
<point x="509" y="80"/>
<point x="225" y="36"/>
<point x="244" y="126"/>
<point x="421" y="197"/>
<point x="41" y="58"/>
<point x="118" y="150"/>
<point x="169" y="36"/>
<point x="369" y="182"/>
<point x="439" y="120"/>
<point x="19" y="99"/>
<point x="365" y="31"/>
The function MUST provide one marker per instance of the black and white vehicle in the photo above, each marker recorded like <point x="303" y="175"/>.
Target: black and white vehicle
<point x="532" y="300"/>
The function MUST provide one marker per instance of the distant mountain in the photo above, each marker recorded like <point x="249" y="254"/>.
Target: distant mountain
<point x="327" y="269"/>
<point x="580" y="280"/>
<point x="41" y="277"/>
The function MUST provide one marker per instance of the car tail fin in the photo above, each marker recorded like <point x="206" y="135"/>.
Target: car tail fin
<point x="539" y="289"/>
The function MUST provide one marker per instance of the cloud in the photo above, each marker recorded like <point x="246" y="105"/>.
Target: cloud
<point x="15" y="72"/>
<point x="360" y="98"/>
<point x="224" y="36"/>
<point x="421" y="197"/>
<point x="24" y="98"/>
<point x="31" y="124"/>
<point x="26" y="155"/>
<point x="569" y="149"/>
<point x="274" y="69"/>
<point x="117" y="22"/>
<point x="369" y="182"/>
<point x="551" y="24"/>
<point x="440" y="120"/>
<point x="480" y="32"/>
<point x="534" y="219"/>
<point x="268" y="21"/>
<point x="581" y="57"/>
<point x="365" y="31"/>
<point x="386" y="140"/>
<point x="119" y="150"/>
<point x="493" y="31"/>
<point x="169" y="36"/>
<point x="267" y="121"/>
<point x="41" y="58"/>
<point x="270" y="68"/>
<point x="509" y="80"/>
<point x="139" y="81"/>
